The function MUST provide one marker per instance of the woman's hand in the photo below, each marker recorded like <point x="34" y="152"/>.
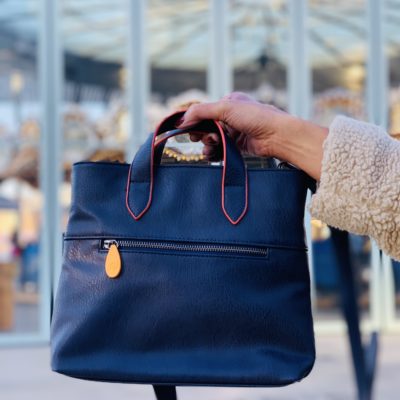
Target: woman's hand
<point x="261" y="130"/>
<point x="249" y="123"/>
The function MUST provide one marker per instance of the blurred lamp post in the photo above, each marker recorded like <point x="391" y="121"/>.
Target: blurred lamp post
<point x="16" y="87"/>
<point x="354" y="76"/>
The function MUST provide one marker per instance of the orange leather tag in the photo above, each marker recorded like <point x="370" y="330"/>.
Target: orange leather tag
<point x="113" y="262"/>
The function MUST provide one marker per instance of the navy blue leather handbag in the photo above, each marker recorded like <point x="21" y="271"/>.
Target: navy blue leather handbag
<point x="184" y="274"/>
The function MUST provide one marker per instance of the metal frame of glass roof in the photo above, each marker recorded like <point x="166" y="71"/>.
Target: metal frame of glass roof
<point x="178" y="31"/>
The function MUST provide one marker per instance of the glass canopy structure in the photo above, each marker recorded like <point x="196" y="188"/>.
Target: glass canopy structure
<point x="97" y="29"/>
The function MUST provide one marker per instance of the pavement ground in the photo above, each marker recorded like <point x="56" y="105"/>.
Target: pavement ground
<point x="25" y="375"/>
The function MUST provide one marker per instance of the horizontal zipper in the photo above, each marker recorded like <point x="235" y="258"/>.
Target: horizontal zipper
<point x="185" y="247"/>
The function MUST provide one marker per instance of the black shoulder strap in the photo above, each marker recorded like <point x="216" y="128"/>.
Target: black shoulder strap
<point x="311" y="184"/>
<point x="164" y="392"/>
<point x="364" y="356"/>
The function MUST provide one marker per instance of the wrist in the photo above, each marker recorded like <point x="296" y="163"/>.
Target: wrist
<point x="285" y="138"/>
<point x="300" y="143"/>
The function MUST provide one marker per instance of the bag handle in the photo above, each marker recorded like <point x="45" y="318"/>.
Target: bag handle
<point x="140" y="183"/>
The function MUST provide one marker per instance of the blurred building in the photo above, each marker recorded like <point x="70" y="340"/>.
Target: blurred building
<point x="90" y="79"/>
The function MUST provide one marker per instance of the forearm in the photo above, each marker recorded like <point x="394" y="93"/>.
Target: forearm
<point x="301" y="143"/>
<point x="359" y="188"/>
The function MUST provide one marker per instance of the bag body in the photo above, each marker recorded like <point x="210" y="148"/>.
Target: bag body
<point x="211" y="283"/>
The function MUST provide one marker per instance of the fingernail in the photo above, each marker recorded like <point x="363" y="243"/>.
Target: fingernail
<point x="210" y="140"/>
<point x="207" y="152"/>
<point x="179" y="122"/>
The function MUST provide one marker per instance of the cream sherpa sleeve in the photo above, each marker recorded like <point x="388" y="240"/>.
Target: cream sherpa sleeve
<point x="359" y="189"/>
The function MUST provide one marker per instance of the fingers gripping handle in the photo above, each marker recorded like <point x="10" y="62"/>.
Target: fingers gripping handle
<point x="140" y="184"/>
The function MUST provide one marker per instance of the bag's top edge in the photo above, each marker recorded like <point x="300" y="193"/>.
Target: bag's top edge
<point x="207" y="166"/>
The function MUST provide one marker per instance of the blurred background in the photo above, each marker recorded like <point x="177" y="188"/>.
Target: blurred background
<point x="90" y="79"/>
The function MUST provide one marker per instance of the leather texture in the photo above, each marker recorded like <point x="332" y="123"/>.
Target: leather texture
<point x="176" y="317"/>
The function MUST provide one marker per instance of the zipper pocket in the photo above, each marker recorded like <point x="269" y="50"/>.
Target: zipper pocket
<point x="126" y="244"/>
<point x="113" y="262"/>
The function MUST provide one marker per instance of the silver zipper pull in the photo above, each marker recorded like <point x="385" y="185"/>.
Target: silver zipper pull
<point x="108" y="242"/>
